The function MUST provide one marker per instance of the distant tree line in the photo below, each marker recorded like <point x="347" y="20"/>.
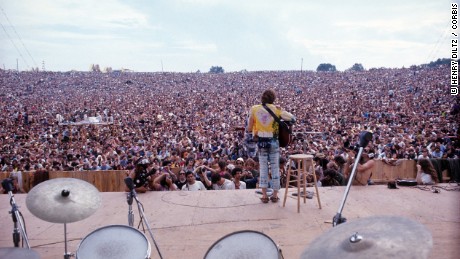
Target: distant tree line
<point x="216" y="70"/>
<point x="439" y="62"/>
<point x="323" y="67"/>
<point x="326" y="67"/>
<point x="97" y="68"/>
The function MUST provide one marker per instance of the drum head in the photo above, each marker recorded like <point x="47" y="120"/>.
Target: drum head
<point x="243" y="244"/>
<point x="116" y="241"/>
<point x="18" y="253"/>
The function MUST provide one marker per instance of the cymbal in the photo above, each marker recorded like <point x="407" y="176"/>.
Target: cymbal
<point x="63" y="200"/>
<point x="18" y="253"/>
<point x="373" y="237"/>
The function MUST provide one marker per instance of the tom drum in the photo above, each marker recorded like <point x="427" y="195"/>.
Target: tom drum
<point x="244" y="244"/>
<point x="114" y="241"/>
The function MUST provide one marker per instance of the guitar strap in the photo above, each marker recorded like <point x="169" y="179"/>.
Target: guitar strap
<point x="277" y="119"/>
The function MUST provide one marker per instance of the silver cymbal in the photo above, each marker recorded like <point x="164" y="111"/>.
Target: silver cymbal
<point x="63" y="200"/>
<point x="18" y="253"/>
<point x="373" y="237"/>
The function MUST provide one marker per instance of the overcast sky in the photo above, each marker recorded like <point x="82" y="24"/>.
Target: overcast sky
<point x="191" y="35"/>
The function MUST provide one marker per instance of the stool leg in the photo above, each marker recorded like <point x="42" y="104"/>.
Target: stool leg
<point x="316" y="185"/>
<point x="299" y="171"/>
<point x="304" y="179"/>
<point x="288" y="177"/>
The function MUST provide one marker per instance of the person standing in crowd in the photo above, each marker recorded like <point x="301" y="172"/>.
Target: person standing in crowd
<point x="181" y="180"/>
<point x="141" y="177"/>
<point x="192" y="184"/>
<point x="164" y="182"/>
<point x="236" y="173"/>
<point x="424" y="155"/>
<point x="16" y="187"/>
<point x="201" y="174"/>
<point x="265" y="130"/>
<point x="221" y="183"/>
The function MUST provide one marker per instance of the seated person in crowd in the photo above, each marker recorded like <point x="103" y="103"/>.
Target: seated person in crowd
<point x="437" y="153"/>
<point x="141" y="178"/>
<point x="319" y="175"/>
<point x="250" y="174"/>
<point x="220" y="183"/>
<point x="201" y="174"/>
<point x="236" y="173"/>
<point x="223" y="171"/>
<point x="164" y="182"/>
<point x="342" y="166"/>
<point x="192" y="184"/>
<point x="331" y="178"/>
<point x="283" y="171"/>
<point x="426" y="174"/>
<point x="16" y="187"/>
<point x="181" y="180"/>
<point x="364" y="169"/>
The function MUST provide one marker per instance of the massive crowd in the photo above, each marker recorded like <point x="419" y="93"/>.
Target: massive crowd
<point x="104" y="121"/>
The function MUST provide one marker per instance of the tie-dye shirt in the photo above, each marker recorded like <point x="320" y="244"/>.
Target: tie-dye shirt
<point x="262" y="123"/>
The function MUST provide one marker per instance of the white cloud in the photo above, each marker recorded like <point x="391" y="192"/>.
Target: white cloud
<point x="254" y="35"/>
<point x="81" y="14"/>
<point x="195" y="46"/>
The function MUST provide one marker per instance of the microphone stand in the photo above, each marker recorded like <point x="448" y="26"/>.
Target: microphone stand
<point x="132" y="195"/>
<point x="140" y="207"/>
<point x="17" y="219"/>
<point x="129" y="199"/>
<point x="338" y="219"/>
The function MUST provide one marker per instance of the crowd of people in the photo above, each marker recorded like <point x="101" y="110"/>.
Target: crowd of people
<point x="114" y="121"/>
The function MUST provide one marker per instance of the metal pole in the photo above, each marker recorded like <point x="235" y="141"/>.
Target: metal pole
<point x="142" y="215"/>
<point x="301" y="66"/>
<point x="66" y="254"/>
<point x="338" y="217"/>
<point x="16" y="219"/>
<point x="130" y="209"/>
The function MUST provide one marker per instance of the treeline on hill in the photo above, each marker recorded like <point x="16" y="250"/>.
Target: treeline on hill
<point x="327" y="67"/>
<point x="439" y="62"/>
<point x="323" y="67"/>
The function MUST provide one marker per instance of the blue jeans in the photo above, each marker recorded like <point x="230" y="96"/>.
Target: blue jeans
<point x="270" y="155"/>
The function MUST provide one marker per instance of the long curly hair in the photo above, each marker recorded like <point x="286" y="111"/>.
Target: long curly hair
<point x="268" y="97"/>
<point x="427" y="168"/>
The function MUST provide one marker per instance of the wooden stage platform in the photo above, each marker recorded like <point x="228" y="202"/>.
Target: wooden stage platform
<point x="187" y="224"/>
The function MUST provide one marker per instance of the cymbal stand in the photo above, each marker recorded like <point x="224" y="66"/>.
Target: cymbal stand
<point x="67" y="255"/>
<point x="338" y="219"/>
<point x="17" y="218"/>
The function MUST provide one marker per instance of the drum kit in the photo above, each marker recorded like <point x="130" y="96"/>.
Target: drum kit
<point x="372" y="237"/>
<point x="67" y="200"/>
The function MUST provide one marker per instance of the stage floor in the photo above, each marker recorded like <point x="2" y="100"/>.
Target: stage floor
<point x="187" y="224"/>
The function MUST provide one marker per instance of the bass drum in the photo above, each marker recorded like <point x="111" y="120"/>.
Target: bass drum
<point x="115" y="241"/>
<point x="246" y="244"/>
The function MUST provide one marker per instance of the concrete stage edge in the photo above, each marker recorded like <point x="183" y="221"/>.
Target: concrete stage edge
<point x="187" y="224"/>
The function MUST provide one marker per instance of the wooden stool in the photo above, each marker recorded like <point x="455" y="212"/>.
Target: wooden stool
<point x="304" y="164"/>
